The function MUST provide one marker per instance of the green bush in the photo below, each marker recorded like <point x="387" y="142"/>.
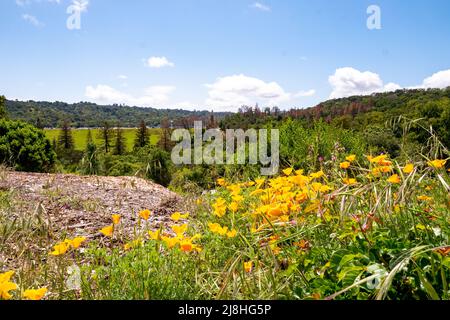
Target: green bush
<point x="25" y="147"/>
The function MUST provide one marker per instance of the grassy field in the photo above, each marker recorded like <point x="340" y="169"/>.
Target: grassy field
<point x="80" y="136"/>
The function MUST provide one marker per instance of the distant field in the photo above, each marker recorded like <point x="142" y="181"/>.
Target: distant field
<point x="80" y="136"/>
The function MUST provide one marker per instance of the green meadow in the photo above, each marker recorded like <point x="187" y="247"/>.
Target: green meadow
<point x="80" y="136"/>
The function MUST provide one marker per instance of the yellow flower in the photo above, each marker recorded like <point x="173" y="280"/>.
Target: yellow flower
<point x="198" y="201"/>
<point x="177" y="216"/>
<point x="395" y="179"/>
<point x="107" y="231"/>
<point x="260" y="182"/>
<point x="234" y="206"/>
<point x="179" y="230"/>
<point x="76" y="242"/>
<point x="437" y="164"/>
<point x="133" y="244"/>
<point x="115" y="218"/>
<point x="275" y="211"/>
<point x="232" y="233"/>
<point x="380" y="160"/>
<point x="408" y="168"/>
<point x="424" y="198"/>
<point x="383" y="169"/>
<point x="221" y="182"/>
<point x="287" y="171"/>
<point x="186" y="246"/>
<point x="351" y="158"/>
<point x="217" y="228"/>
<point x="60" y="248"/>
<point x="220" y="207"/>
<point x="345" y="165"/>
<point x="237" y="198"/>
<point x="248" y="266"/>
<point x="213" y="227"/>
<point x="32" y="294"/>
<point x="145" y="214"/>
<point x="170" y="242"/>
<point x="349" y="181"/>
<point x="6" y="285"/>
<point x="317" y="175"/>
<point x="155" y="235"/>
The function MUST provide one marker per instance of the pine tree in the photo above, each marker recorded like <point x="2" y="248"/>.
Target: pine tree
<point x="164" y="142"/>
<point x="119" y="148"/>
<point x="142" y="136"/>
<point x="65" y="140"/>
<point x="106" y="135"/>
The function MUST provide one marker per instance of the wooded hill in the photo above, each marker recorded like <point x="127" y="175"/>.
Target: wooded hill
<point x="86" y="114"/>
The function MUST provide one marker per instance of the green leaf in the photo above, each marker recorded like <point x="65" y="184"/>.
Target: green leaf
<point x="428" y="287"/>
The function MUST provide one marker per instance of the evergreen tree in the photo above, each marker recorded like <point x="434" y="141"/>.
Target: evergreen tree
<point x="119" y="147"/>
<point x="142" y="136"/>
<point x="65" y="140"/>
<point x="165" y="142"/>
<point x="106" y="135"/>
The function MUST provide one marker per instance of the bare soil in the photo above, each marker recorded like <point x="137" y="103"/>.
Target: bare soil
<point x="81" y="205"/>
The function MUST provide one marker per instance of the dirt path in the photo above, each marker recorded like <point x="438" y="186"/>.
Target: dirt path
<point x="80" y="205"/>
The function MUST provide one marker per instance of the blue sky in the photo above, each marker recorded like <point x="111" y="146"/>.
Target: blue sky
<point x="220" y="54"/>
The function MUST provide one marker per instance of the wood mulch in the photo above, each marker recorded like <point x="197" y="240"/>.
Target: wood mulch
<point x="81" y="205"/>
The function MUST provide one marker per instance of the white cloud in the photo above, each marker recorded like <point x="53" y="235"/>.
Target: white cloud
<point x="391" y="87"/>
<point x="349" y="82"/>
<point x="23" y="3"/>
<point x="231" y="92"/>
<point x="32" y="19"/>
<point x="440" y="79"/>
<point x="308" y="93"/>
<point x="159" y="62"/>
<point x="155" y="96"/>
<point x="122" y="77"/>
<point x="261" y="7"/>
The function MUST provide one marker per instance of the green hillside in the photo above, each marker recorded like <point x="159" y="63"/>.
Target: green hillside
<point x="91" y="115"/>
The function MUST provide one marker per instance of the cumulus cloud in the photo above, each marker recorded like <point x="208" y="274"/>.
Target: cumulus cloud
<point x="440" y="79"/>
<point x="154" y="96"/>
<point x="159" y="62"/>
<point x="23" y="3"/>
<point x="231" y="92"/>
<point x="261" y="7"/>
<point x="32" y="19"/>
<point x="349" y="82"/>
<point x="308" y="93"/>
